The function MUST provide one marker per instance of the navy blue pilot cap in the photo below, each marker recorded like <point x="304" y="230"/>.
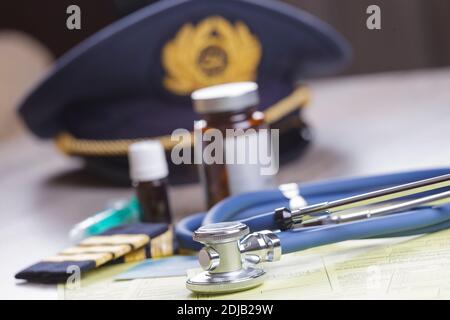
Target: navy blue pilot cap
<point x="133" y="79"/>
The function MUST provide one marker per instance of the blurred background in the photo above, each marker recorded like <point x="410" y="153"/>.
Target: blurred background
<point x="414" y="35"/>
<point x="387" y="121"/>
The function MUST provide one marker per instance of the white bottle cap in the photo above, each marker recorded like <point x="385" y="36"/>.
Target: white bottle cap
<point x="147" y="161"/>
<point x="225" y="97"/>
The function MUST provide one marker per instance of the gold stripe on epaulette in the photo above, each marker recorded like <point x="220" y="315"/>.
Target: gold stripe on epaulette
<point x="91" y="147"/>
<point x="98" y="258"/>
<point x="134" y="240"/>
<point x="116" y="250"/>
<point x="136" y="255"/>
<point x="162" y="245"/>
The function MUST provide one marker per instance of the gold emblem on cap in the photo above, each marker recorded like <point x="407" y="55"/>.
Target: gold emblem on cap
<point x="212" y="52"/>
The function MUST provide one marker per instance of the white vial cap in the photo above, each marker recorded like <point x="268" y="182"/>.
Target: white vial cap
<point x="225" y="97"/>
<point x="147" y="161"/>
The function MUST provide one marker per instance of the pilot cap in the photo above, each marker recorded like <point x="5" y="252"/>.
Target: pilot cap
<point x="133" y="79"/>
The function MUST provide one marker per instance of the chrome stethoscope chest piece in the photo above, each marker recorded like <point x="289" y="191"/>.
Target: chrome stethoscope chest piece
<point x="215" y="283"/>
<point x="223" y="262"/>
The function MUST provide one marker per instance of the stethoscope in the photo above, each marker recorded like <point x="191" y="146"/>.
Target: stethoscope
<point x="241" y="232"/>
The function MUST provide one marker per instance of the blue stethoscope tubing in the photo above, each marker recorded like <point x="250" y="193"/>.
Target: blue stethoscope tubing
<point x="256" y="210"/>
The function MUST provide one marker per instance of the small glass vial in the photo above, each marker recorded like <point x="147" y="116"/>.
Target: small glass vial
<point x="224" y="107"/>
<point x="149" y="171"/>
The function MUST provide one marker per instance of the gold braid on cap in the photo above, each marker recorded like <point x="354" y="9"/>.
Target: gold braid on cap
<point x="89" y="147"/>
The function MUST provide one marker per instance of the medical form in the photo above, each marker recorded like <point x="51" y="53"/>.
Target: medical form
<point x="406" y="268"/>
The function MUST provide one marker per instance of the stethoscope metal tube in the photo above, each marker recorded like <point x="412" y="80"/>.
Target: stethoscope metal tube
<point x="231" y="253"/>
<point x="400" y="224"/>
<point x="344" y="217"/>
<point x="291" y="220"/>
<point x="389" y="209"/>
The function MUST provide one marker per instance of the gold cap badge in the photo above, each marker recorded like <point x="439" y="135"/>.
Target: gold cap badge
<point x="212" y="52"/>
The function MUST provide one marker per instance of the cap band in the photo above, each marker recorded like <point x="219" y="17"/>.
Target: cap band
<point x="69" y="144"/>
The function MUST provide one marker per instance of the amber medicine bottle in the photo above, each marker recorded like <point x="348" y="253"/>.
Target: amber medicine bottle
<point x="223" y="107"/>
<point x="148" y="172"/>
